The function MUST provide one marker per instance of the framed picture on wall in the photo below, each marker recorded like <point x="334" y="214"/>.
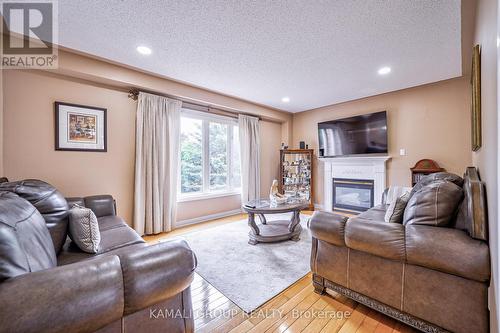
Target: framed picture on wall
<point x="80" y="127"/>
<point x="476" y="133"/>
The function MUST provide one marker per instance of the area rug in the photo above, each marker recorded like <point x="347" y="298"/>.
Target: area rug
<point x="249" y="275"/>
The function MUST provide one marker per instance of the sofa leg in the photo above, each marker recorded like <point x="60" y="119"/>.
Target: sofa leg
<point x="319" y="289"/>
<point x="318" y="283"/>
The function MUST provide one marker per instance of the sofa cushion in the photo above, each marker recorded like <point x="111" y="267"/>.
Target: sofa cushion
<point x="71" y="253"/>
<point x="84" y="229"/>
<point x="110" y="222"/>
<point x="449" y="250"/>
<point x="396" y="209"/>
<point x="101" y="205"/>
<point x="434" y="204"/>
<point x="382" y="239"/>
<point x="48" y="201"/>
<point x="118" y="237"/>
<point x="447" y="176"/>
<point x="75" y="201"/>
<point x="374" y="214"/>
<point x="25" y="243"/>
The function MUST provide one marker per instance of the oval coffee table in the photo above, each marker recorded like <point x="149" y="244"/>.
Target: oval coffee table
<point x="274" y="231"/>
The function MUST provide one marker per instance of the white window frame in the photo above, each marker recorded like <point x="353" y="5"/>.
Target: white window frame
<point x="206" y="193"/>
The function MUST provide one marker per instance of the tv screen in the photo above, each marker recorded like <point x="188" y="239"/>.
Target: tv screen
<point x="366" y="134"/>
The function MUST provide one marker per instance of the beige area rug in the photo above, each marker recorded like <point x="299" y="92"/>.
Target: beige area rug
<point x="249" y="275"/>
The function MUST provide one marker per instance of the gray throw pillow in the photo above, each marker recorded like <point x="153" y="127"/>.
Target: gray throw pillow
<point x="396" y="210"/>
<point x="434" y="204"/>
<point x="84" y="229"/>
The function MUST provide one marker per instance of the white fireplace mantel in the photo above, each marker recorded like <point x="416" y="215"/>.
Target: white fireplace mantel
<point x="356" y="167"/>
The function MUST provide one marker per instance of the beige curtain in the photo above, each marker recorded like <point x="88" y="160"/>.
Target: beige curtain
<point x="156" y="163"/>
<point x="249" y="130"/>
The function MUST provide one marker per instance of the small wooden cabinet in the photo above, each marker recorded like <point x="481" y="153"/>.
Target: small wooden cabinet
<point x="423" y="168"/>
<point x="296" y="174"/>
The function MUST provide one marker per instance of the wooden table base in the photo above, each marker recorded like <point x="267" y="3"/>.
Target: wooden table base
<point x="274" y="231"/>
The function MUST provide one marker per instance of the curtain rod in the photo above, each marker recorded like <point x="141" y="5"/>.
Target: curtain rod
<point x="134" y="95"/>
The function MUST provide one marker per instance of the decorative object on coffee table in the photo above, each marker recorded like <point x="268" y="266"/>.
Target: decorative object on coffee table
<point x="423" y="168"/>
<point x="80" y="127"/>
<point x="275" y="196"/>
<point x="276" y="231"/>
<point x="296" y="177"/>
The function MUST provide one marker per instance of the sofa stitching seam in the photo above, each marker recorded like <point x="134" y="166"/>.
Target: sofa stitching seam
<point x="436" y="206"/>
<point x="19" y="241"/>
<point x="122" y="266"/>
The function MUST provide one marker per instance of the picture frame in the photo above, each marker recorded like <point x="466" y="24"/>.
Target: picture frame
<point x="80" y="127"/>
<point x="476" y="131"/>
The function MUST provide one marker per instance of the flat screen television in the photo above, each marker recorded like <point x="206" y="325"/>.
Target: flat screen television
<point x="365" y="134"/>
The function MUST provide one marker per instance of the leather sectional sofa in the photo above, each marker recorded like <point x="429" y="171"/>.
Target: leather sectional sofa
<point x="434" y="278"/>
<point x="49" y="285"/>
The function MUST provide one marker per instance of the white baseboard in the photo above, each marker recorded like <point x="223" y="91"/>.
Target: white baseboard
<point x="206" y="218"/>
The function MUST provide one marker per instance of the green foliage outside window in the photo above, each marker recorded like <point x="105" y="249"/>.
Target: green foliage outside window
<point x="222" y="145"/>
<point x="191" y="155"/>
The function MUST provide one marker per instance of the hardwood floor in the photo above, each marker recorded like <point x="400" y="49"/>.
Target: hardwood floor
<point x="296" y="309"/>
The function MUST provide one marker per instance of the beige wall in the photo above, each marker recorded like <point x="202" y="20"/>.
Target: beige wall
<point x="29" y="138"/>
<point x="486" y="158"/>
<point x="430" y="121"/>
<point x="270" y="142"/>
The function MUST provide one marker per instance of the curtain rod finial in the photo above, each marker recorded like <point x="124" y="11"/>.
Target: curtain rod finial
<point x="133" y="94"/>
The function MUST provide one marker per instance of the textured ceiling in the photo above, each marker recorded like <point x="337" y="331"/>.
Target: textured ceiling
<point x="315" y="52"/>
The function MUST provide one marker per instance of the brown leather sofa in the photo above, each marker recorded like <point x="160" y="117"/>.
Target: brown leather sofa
<point x="48" y="285"/>
<point x="434" y="278"/>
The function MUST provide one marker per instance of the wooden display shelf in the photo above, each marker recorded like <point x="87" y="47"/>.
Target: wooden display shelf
<point x="423" y="168"/>
<point x="308" y="155"/>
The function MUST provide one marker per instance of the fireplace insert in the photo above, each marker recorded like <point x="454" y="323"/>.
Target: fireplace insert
<point x="352" y="195"/>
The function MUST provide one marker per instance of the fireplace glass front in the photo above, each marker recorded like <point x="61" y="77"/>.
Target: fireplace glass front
<point x="353" y="195"/>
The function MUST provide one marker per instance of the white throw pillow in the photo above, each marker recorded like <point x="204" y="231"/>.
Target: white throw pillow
<point x="84" y="229"/>
<point x="396" y="209"/>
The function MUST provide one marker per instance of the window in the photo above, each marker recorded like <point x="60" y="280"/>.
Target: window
<point x="210" y="155"/>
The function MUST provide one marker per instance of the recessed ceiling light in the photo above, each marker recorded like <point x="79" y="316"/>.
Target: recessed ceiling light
<point x="144" y="50"/>
<point x="285" y="99"/>
<point x="384" y="70"/>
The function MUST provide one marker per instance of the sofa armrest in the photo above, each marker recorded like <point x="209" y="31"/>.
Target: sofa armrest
<point x="155" y="273"/>
<point x="87" y="295"/>
<point x="328" y="227"/>
<point x="448" y="250"/>
<point x="382" y="239"/>
<point x="101" y="205"/>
